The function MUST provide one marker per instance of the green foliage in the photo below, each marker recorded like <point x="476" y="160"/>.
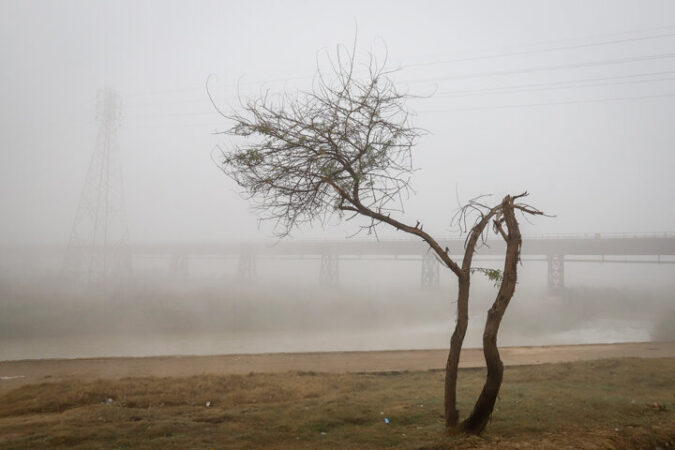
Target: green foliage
<point x="494" y="275"/>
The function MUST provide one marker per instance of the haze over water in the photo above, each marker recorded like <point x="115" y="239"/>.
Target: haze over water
<point x="571" y="102"/>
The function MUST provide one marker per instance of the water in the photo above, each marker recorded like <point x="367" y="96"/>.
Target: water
<point x="432" y="336"/>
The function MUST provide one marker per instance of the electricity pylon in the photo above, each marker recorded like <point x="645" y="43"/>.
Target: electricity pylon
<point x="98" y="250"/>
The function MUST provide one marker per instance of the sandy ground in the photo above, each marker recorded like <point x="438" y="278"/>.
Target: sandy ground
<point x="17" y="373"/>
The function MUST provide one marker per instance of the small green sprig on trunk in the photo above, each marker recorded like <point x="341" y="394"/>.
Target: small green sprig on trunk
<point x="494" y="275"/>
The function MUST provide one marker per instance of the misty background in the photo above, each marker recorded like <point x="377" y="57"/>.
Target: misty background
<point x="572" y="101"/>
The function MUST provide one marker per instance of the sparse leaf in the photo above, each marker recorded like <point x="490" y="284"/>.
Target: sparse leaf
<point x="494" y="275"/>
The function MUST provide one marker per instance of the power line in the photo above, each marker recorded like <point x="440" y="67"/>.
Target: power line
<point x="542" y="50"/>
<point x="547" y="68"/>
<point x="181" y="114"/>
<point x="541" y="69"/>
<point x="555" y="83"/>
<point x="479" y="108"/>
<point x="214" y="126"/>
<point x="581" y="39"/>
<point x="503" y="90"/>
<point x="527" y="87"/>
<point x="163" y="91"/>
<point x="532" y="105"/>
<point x="426" y="63"/>
<point x="550" y="88"/>
<point x="501" y="55"/>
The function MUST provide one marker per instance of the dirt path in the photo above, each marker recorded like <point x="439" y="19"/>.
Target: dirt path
<point x="17" y="373"/>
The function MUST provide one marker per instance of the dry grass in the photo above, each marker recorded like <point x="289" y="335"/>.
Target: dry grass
<point x="624" y="403"/>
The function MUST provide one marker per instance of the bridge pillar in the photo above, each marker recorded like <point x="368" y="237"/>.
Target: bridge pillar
<point x="246" y="269"/>
<point x="329" y="274"/>
<point x="431" y="278"/>
<point x="556" y="272"/>
<point x="179" y="268"/>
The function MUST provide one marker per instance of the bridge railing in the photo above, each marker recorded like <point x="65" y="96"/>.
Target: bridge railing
<point x="539" y="236"/>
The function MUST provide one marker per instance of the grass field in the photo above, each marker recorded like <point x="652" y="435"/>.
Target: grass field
<point x="614" y="403"/>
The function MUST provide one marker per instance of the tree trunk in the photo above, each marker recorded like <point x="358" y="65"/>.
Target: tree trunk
<point x="482" y="410"/>
<point x="464" y="281"/>
<point x="451" y="413"/>
<point x="479" y="417"/>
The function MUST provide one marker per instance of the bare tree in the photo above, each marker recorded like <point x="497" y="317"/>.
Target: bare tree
<point x="344" y="147"/>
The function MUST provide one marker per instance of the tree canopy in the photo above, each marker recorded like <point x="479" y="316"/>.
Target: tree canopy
<point x="343" y="146"/>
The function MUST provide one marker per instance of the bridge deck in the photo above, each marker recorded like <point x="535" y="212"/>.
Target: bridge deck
<point x="664" y="246"/>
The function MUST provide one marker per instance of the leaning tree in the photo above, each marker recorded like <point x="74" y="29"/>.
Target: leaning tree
<point x="344" y="148"/>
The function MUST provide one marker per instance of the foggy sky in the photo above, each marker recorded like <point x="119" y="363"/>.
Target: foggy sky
<point x="600" y="157"/>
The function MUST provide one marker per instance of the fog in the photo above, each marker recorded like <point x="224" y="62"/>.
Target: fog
<point x="571" y="101"/>
<point x="378" y="305"/>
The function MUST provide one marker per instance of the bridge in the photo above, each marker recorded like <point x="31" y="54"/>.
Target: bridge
<point x="555" y="250"/>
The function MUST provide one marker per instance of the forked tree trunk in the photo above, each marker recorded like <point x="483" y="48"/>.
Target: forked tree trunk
<point x="451" y="412"/>
<point x="479" y="417"/>
<point x="464" y="281"/>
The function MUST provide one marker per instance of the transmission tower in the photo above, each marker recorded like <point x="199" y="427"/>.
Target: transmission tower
<point x="98" y="250"/>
